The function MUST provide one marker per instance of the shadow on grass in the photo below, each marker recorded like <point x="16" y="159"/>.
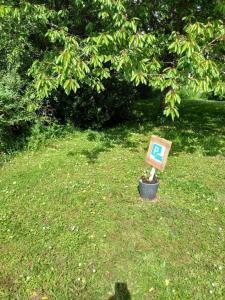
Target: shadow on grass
<point x="121" y="292"/>
<point x="201" y="126"/>
<point x="93" y="154"/>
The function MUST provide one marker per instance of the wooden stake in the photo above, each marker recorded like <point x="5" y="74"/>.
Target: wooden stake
<point x="152" y="174"/>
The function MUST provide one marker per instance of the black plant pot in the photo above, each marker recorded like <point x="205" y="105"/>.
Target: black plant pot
<point x="148" y="190"/>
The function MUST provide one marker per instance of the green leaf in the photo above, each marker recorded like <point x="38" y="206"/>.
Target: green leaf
<point x="70" y="84"/>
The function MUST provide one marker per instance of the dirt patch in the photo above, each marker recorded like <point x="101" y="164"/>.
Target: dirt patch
<point x="7" y="282"/>
<point x="147" y="181"/>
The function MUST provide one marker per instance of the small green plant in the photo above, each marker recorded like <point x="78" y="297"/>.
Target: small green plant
<point x="42" y="132"/>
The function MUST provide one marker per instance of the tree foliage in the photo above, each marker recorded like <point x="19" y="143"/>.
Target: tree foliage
<point x="68" y="45"/>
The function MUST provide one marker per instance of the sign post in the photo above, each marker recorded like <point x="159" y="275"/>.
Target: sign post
<point x="156" y="157"/>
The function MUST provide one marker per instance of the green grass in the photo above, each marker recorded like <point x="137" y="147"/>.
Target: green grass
<point x="72" y="223"/>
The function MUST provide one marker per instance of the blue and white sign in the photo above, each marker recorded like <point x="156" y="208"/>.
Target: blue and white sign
<point x="157" y="152"/>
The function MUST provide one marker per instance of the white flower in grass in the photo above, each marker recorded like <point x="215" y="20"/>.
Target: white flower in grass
<point x="167" y="282"/>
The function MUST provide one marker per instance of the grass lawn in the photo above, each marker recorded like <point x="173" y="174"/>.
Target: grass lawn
<point x="72" y="223"/>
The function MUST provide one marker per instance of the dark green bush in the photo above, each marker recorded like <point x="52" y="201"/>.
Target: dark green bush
<point x="89" y="109"/>
<point x="15" y="116"/>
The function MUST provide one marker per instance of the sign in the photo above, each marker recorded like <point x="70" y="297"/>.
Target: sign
<point x="158" y="152"/>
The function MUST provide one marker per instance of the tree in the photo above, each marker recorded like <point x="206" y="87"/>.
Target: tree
<point x="169" y="45"/>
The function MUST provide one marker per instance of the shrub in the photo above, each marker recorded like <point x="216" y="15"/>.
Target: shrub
<point x="14" y="108"/>
<point x="42" y="131"/>
<point x="89" y="109"/>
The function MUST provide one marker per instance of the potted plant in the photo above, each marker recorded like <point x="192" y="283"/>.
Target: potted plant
<point x="148" y="185"/>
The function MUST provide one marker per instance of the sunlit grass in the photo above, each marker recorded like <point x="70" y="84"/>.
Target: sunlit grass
<point x="72" y="222"/>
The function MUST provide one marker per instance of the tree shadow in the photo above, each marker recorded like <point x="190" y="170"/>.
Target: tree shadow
<point x="121" y="292"/>
<point x="71" y="153"/>
<point x="93" y="154"/>
<point x="201" y="126"/>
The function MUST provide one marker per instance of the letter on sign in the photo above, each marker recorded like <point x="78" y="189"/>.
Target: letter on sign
<point x="158" y="152"/>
